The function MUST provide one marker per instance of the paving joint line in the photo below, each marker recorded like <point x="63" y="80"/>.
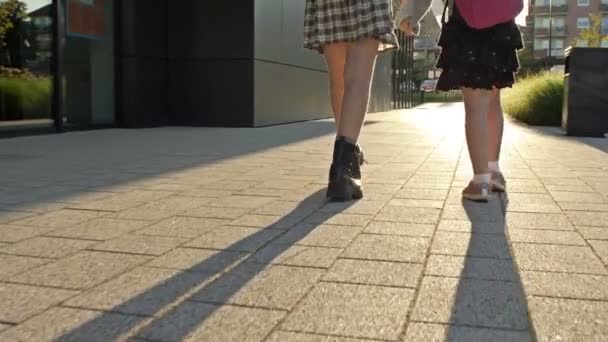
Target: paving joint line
<point x="596" y="300"/>
<point x="470" y="256"/>
<point x="188" y="295"/>
<point x="321" y="280"/>
<point x="330" y="335"/>
<point x="564" y="213"/>
<point x="236" y="305"/>
<point x="428" y="253"/>
<point x="380" y="260"/>
<point x="306" y="295"/>
<point x="487" y="327"/>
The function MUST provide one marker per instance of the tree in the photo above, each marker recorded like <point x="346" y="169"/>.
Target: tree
<point x="421" y="70"/>
<point x="13" y="27"/>
<point x="593" y="34"/>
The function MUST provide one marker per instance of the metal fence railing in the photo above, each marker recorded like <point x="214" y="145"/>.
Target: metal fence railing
<point x="403" y="73"/>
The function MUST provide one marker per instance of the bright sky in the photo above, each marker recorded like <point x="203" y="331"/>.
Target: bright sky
<point x="521" y="20"/>
<point x="33" y="5"/>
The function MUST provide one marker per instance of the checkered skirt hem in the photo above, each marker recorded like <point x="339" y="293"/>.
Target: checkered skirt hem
<point x="332" y="21"/>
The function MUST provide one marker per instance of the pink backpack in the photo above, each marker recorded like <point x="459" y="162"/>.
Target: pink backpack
<point x="481" y="14"/>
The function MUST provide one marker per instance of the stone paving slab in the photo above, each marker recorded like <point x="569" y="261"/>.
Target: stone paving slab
<point x="266" y="221"/>
<point x="80" y="271"/>
<point x="466" y="226"/>
<point x="99" y="229"/>
<point x="601" y="248"/>
<point x="539" y="221"/>
<point x="280" y="336"/>
<point x="20" y="302"/>
<point x="195" y="234"/>
<point x="59" y="219"/>
<point x="335" y="236"/>
<point x="594" y="233"/>
<point x="388" y="248"/>
<point x="304" y="256"/>
<point x="162" y="208"/>
<point x="566" y="285"/>
<point x="399" y="228"/>
<point x="339" y="219"/>
<point x="555" y="258"/>
<point x="205" y="322"/>
<point x="47" y="247"/>
<point x="182" y="227"/>
<point x="70" y="324"/>
<point x="216" y="213"/>
<point x="7" y="216"/>
<point x="143" y="291"/>
<point x="574" y="206"/>
<point x="592" y="219"/>
<point x="472" y="245"/>
<point x="475" y="213"/>
<point x="546" y="237"/>
<point x="352" y="311"/>
<point x="472" y="302"/>
<point x="140" y="244"/>
<point x="13" y="233"/>
<point x="234" y="239"/>
<point x="369" y="272"/>
<point x="198" y="260"/>
<point x="409" y="215"/>
<point x="471" y="267"/>
<point x="569" y="320"/>
<point x="263" y="286"/>
<point x="11" y="265"/>
<point x="421" y="332"/>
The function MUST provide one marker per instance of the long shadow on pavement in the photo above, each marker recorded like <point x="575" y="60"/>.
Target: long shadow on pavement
<point x="199" y="281"/>
<point x="55" y="168"/>
<point x="489" y="303"/>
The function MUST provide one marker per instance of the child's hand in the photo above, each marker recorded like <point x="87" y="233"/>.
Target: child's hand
<point x="407" y="27"/>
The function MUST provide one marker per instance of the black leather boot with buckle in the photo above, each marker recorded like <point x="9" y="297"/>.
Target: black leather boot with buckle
<point x="345" y="173"/>
<point x="359" y="161"/>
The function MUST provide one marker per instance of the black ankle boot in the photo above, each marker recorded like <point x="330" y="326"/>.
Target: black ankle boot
<point x="358" y="161"/>
<point x="343" y="186"/>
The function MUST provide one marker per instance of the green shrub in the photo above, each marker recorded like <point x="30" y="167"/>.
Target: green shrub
<point x="24" y="98"/>
<point x="440" y="96"/>
<point x="536" y="99"/>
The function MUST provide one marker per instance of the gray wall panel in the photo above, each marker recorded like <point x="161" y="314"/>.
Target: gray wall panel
<point x="186" y="64"/>
<point x="279" y="34"/>
<point x="268" y="30"/>
<point x="381" y="96"/>
<point x="290" y="81"/>
<point x="287" y="94"/>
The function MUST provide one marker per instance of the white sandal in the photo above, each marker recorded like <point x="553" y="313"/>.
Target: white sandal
<point x="477" y="192"/>
<point x="499" y="184"/>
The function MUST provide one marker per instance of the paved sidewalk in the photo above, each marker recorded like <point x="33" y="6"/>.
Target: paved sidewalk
<point x="223" y="235"/>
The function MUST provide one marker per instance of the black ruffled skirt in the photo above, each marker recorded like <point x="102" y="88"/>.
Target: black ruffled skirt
<point x="478" y="59"/>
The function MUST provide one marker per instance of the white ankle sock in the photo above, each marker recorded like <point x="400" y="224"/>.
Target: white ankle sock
<point x="482" y="178"/>
<point x="493" y="166"/>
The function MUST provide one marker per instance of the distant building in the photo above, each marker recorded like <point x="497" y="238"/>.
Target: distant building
<point x="42" y="25"/>
<point x="527" y="33"/>
<point x="556" y="24"/>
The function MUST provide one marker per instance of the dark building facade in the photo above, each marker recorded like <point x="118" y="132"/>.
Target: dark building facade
<point x="147" y="63"/>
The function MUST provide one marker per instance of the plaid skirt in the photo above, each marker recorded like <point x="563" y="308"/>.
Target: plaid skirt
<point x="332" y="21"/>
